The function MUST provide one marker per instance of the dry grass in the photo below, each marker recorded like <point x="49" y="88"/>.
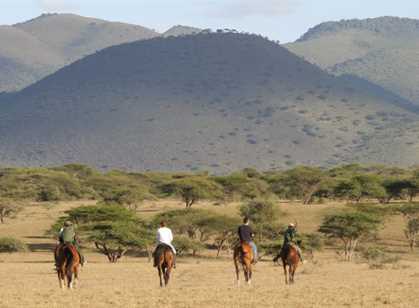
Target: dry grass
<point x="28" y="279"/>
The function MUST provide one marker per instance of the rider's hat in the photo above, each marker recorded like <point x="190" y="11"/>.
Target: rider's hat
<point x="68" y="223"/>
<point x="291" y="225"/>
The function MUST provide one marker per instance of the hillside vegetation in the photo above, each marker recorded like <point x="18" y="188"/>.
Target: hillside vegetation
<point x="203" y="102"/>
<point x="382" y="50"/>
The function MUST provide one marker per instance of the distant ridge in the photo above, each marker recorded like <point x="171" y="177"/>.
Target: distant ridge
<point x="387" y="25"/>
<point x="35" y="48"/>
<point x="381" y="50"/>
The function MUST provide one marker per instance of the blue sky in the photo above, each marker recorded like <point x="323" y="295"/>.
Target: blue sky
<point x="283" y="20"/>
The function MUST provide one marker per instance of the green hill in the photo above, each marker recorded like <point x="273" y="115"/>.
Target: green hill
<point x="219" y="102"/>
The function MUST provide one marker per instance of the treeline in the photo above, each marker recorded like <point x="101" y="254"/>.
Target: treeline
<point x="353" y="183"/>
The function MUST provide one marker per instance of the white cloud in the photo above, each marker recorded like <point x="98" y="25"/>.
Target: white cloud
<point x="57" y="6"/>
<point x="249" y="8"/>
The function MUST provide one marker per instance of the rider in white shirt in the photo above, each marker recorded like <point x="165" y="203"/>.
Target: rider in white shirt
<point x="165" y="236"/>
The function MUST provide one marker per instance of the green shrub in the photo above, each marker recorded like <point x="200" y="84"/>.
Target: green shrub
<point x="377" y="258"/>
<point x="8" y="244"/>
<point x="185" y="244"/>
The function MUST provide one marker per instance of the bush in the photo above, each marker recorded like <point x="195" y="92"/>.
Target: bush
<point x="8" y="244"/>
<point x="184" y="244"/>
<point x="377" y="258"/>
<point x="312" y="241"/>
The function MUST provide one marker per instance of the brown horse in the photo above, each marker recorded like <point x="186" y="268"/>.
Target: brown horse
<point x="164" y="260"/>
<point x="67" y="264"/>
<point x="243" y="254"/>
<point x="291" y="259"/>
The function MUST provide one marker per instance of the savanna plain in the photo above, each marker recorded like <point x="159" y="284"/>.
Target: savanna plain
<point x="29" y="280"/>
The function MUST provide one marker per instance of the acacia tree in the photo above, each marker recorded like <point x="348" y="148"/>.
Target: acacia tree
<point x="350" y="228"/>
<point x="113" y="229"/>
<point x="361" y="186"/>
<point x="412" y="231"/>
<point x="410" y="212"/>
<point x="113" y="239"/>
<point x="303" y="182"/>
<point x="193" y="189"/>
<point x="396" y="188"/>
<point x="413" y="188"/>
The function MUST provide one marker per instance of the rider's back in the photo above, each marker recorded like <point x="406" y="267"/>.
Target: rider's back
<point x="68" y="234"/>
<point x="245" y="233"/>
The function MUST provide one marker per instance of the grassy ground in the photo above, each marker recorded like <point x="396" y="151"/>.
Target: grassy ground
<point x="28" y="279"/>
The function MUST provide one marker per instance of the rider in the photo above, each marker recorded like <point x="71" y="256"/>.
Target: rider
<point x="67" y="235"/>
<point x="165" y="236"/>
<point x="246" y="236"/>
<point x="290" y="235"/>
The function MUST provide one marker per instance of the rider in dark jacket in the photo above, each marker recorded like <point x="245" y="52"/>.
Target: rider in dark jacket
<point x="246" y="236"/>
<point x="290" y="238"/>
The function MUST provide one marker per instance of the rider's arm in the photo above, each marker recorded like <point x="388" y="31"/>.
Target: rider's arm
<point x="170" y="236"/>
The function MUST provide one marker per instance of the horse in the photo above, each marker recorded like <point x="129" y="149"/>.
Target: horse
<point x="67" y="264"/>
<point x="164" y="261"/>
<point x="290" y="258"/>
<point x="243" y="254"/>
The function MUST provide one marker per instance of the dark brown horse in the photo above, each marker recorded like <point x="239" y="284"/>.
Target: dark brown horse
<point x="243" y="254"/>
<point x="67" y="264"/>
<point x="290" y="260"/>
<point x="164" y="260"/>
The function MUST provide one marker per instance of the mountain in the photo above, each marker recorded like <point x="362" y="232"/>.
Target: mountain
<point x="38" y="47"/>
<point x="208" y="101"/>
<point x="181" y="30"/>
<point x="382" y="50"/>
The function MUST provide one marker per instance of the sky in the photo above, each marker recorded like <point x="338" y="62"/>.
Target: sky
<point x="283" y="20"/>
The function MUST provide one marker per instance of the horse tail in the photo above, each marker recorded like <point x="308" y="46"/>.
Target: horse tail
<point x="157" y="255"/>
<point x="69" y="258"/>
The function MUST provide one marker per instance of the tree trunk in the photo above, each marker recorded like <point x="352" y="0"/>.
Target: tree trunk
<point x="219" y="246"/>
<point x="352" y="247"/>
<point x="346" y="249"/>
<point x="2" y="215"/>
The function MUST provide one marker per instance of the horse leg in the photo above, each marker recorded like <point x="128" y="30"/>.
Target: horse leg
<point x="246" y="274"/>
<point x="159" y="268"/>
<point x="167" y="275"/>
<point x="236" y="265"/>
<point x="60" y="278"/>
<point x="294" y="268"/>
<point x="249" y="274"/>
<point x="76" y="275"/>
<point x="63" y="281"/>
<point x="285" y="272"/>
<point x="70" y="279"/>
